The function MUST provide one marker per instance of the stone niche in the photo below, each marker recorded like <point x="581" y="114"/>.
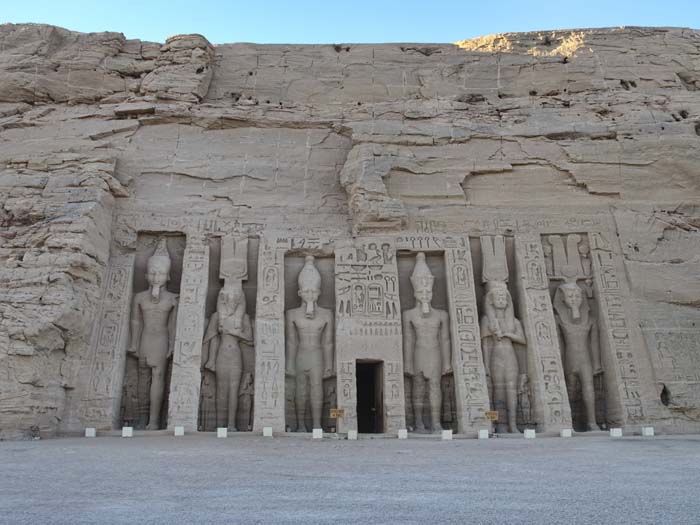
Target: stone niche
<point x="490" y="269"/>
<point x="406" y="263"/>
<point x="228" y="359"/>
<point x="587" y="367"/>
<point x="155" y="321"/>
<point x="303" y="270"/>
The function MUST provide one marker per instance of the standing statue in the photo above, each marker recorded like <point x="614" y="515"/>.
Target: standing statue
<point x="426" y="347"/>
<point x="153" y="316"/>
<point x="580" y="351"/>
<point x="499" y="330"/>
<point x="227" y="328"/>
<point x="247" y="393"/>
<point x="309" y="334"/>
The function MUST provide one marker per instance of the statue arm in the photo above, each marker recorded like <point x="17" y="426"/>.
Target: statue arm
<point x="328" y="348"/>
<point x="445" y="345"/>
<point x="486" y="342"/>
<point x="172" y="321"/>
<point x="292" y="343"/>
<point x="136" y="327"/>
<point x="409" y="341"/>
<point x="595" y="349"/>
<point x="518" y="336"/>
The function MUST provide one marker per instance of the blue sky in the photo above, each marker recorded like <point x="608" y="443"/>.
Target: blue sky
<point x="339" y="21"/>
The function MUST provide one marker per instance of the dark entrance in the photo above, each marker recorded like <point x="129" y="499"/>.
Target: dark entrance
<point x="370" y="396"/>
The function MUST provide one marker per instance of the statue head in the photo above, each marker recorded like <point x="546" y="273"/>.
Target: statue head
<point x="231" y="304"/>
<point x="573" y="297"/>
<point x="499" y="295"/>
<point x="584" y="249"/>
<point x="158" y="269"/>
<point x="309" y="285"/>
<point x="422" y="280"/>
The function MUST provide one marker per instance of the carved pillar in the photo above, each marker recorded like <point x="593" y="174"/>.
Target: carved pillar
<point x="99" y="381"/>
<point x="631" y="398"/>
<point x="185" y="382"/>
<point x="269" y="339"/>
<point x="551" y="401"/>
<point x="368" y="326"/>
<point x="467" y="361"/>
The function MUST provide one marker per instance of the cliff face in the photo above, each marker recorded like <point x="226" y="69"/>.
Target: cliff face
<point x="360" y="138"/>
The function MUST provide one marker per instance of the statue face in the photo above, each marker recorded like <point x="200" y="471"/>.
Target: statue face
<point x="157" y="273"/>
<point x="424" y="295"/>
<point x="572" y="297"/>
<point x="499" y="297"/>
<point x="309" y="295"/>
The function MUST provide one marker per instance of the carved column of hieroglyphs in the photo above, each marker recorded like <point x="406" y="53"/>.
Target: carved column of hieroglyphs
<point x="551" y="401"/>
<point x="269" y="337"/>
<point x="101" y="377"/>
<point x="185" y="382"/>
<point x="620" y="346"/>
<point x="467" y="360"/>
<point x="368" y="326"/>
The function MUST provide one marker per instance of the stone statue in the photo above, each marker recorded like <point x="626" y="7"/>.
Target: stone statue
<point x="504" y="370"/>
<point x="227" y="328"/>
<point x="153" y="317"/>
<point x="246" y="395"/>
<point x="580" y="351"/>
<point x="309" y="334"/>
<point x="426" y="347"/>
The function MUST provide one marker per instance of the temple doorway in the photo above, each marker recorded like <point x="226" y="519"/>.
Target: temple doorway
<point x="370" y="396"/>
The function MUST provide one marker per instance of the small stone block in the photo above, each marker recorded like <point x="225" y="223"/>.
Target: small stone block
<point x="403" y="433"/>
<point x="317" y="433"/>
<point x="222" y="432"/>
<point x="446" y="435"/>
<point x="90" y="432"/>
<point x="267" y="432"/>
<point x="565" y="433"/>
<point x="648" y="431"/>
<point x="615" y="432"/>
<point x="179" y="431"/>
<point x="127" y="432"/>
<point x="529" y="433"/>
<point x="483" y="433"/>
<point x="352" y="435"/>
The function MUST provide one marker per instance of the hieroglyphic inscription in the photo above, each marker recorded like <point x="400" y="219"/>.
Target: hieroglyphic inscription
<point x="615" y="326"/>
<point x="101" y="385"/>
<point x="368" y="325"/>
<point x="552" y="411"/>
<point x="183" y="403"/>
<point x="467" y="360"/>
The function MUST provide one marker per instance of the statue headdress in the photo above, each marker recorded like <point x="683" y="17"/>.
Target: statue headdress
<point x="161" y="256"/>
<point x="309" y="277"/>
<point x="422" y="278"/>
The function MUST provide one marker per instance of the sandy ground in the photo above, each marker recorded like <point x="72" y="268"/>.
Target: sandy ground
<point x="246" y="478"/>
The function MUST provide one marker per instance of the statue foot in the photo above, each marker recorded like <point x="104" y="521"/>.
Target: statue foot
<point x="151" y="426"/>
<point x="592" y="426"/>
<point x="232" y="429"/>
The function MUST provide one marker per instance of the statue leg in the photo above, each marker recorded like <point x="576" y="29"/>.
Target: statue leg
<point x="418" y="384"/>
<point x="512" y="396"/>
<point x="316" y="384"/>
<point x="234" y="385"/>
<point x="499" y="397"/>
<point x="223" y="386"/>
<point x="588" y="391"/>
<point x="435" y="396"/>
<point x="300" y="401"/>
<point x="157" y="393"/>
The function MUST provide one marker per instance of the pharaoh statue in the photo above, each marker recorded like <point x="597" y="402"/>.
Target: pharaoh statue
<point x="153" y="317"/>
<point x="246" y="395"/>
<point x="228" y="327"/>
<point x="580" y="351"/>
<point x="575" y="313"/>
<point x="309" y="335"/>
<point x="426" y="347"/>
<point x="504" y="364"/>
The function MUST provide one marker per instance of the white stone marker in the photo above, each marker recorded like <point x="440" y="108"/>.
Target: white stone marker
<point x="317" y="433"/>
<point x="403" y="433"/>
<point x="222" y="432"/>
<point x="483" y="433"/>
<point x="648" y="431"/>
<point x="447" y="435"/>
<point x="565" y="433"/>
<point x="352" y="435"/>
<point x="529" y="433"/>
<point x="90" y="432"/>
<point x="267" y="432"/>
<point x="127" y="432"/>
<point x="615" y="432"/>
<point x="179" y="431"/>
